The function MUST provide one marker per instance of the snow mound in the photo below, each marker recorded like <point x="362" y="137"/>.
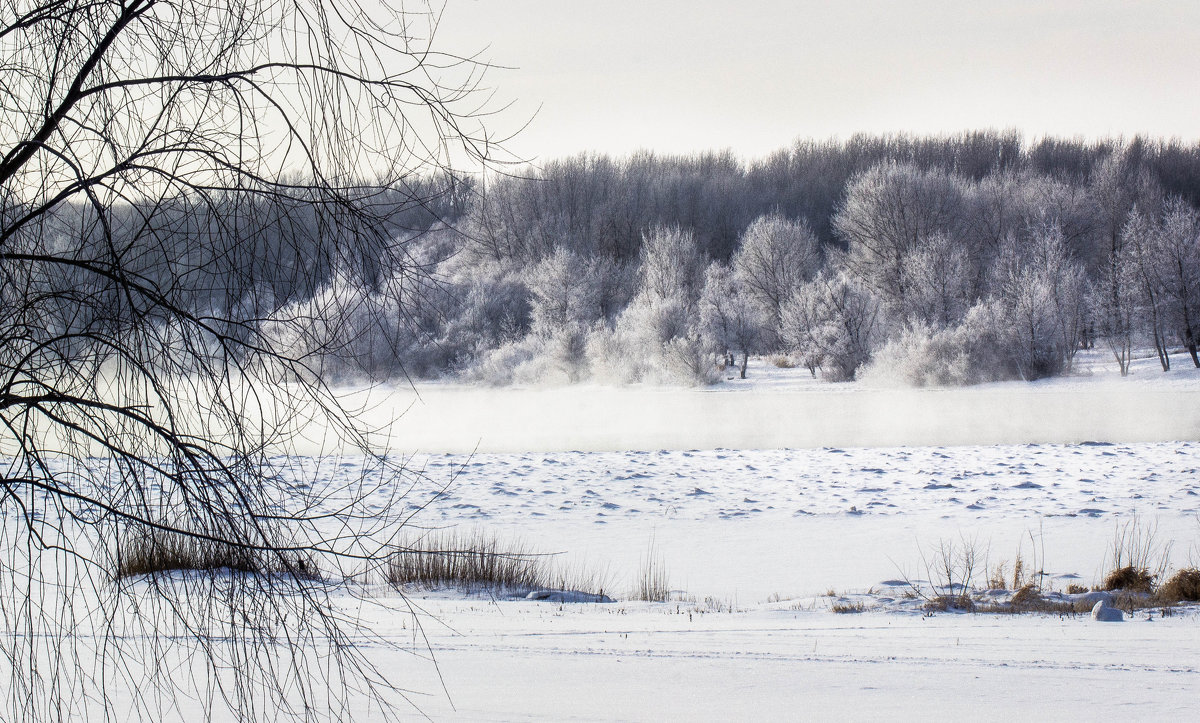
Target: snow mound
<point x="567" y="596"/>
<point x="1105" y="614"/>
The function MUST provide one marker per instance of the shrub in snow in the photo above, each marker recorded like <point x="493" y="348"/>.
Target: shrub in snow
<point x="685" y="359"/>
<point x="921" y="357"/>
<point x="967" y="353"/>
<point x="613" y="356"/>
<point x="1129" y="579"/>
<point x="833" y="323"/>
<point x="501" y="366"/>
<point x="350" y="328"/>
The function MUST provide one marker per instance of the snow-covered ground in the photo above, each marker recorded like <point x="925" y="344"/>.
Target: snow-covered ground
<point x="755" y="540"/>
<point x="528" y="661"/>
<point x="743" y="525"/>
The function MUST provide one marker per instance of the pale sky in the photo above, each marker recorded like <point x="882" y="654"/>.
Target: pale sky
<point x="672" y="76"/>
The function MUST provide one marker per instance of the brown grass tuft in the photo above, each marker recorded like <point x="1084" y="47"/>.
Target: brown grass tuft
<point x="654" y="582"/>
<point x="467" y="561"/>
<point x="1184" y="586"/>
<point x="1129" y="579"/>
<point x="1026" y="598"/>
<point x="942" y="603"/>
<point x="164" y="551"/>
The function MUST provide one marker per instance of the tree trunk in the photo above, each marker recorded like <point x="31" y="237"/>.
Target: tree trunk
<point x="745" y="361"/>
<point x="1160" y="347"/>
<point x="1189" y="337"/>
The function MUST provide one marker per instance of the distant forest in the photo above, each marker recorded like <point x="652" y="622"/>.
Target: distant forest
<point x="933" y="260"/>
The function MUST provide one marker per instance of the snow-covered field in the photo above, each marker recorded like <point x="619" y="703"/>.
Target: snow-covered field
<point x="754" y="540"/>
<point x="530" y="661"/>
<point x="756" y="532"/>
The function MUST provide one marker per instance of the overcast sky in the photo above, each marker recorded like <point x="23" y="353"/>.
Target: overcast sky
<point x="681" y="76"/>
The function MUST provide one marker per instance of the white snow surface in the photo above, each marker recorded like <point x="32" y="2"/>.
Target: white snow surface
<point x="755" y="540"/>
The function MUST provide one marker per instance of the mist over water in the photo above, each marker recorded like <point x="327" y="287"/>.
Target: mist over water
<point x="440" y="418"/>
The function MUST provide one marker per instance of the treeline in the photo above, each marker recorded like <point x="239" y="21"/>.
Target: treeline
<point x="945" y="260"/>
<point x="934" y="260"/>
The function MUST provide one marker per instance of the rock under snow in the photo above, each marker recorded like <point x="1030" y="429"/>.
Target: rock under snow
<point x="1107" y="614"/>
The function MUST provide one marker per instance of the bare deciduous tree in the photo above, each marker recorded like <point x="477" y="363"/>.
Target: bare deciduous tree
<point x="148" y="151"/>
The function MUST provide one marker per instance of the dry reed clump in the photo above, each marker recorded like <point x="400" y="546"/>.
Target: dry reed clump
<point x="654" y="582"/>
<point x="469" y="561"/>
<point x="944" y="603"/>
<point x="158" y="551"/>
<point x="1026" y="598"/>
<point x="1129" y="579"/>
<point x="1183" y="586"/>
<point x="848" y="608"/>
<point x="1029" y="599"/>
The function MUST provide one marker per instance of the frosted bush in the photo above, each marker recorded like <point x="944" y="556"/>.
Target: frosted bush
<point x="612" y="357"/>
<point x="833" y="322"/>
<point x="970" y="352"/>
<point x="920" y="357"/>
<point x="499" y="367"/>
<point x="661" y="343"/>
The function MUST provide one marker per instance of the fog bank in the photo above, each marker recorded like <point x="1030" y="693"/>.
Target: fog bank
<point x="441" y="418"/>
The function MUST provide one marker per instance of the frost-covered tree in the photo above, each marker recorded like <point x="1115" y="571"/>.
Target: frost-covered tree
<point x="776" y="256"/>
<point x="1010" y="202"/>
<point x="671" y="265"/>
<point x="660" y="327"/>
<point x="1113" y="304"/>
<point x="564" y="293"/>
<point x="937" y="275"/>
<point x="565" y="300"/>
<point x="886" y="213"/>
<point x="730" y="318"/>
<point x="1138" y="246"/>
<point x="832" y="322"/>
<point x="1039" y="287"/>
<point x="1117" y="186"/>
<point x="490" y="307"/>
<point x="1177" y="255"/>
